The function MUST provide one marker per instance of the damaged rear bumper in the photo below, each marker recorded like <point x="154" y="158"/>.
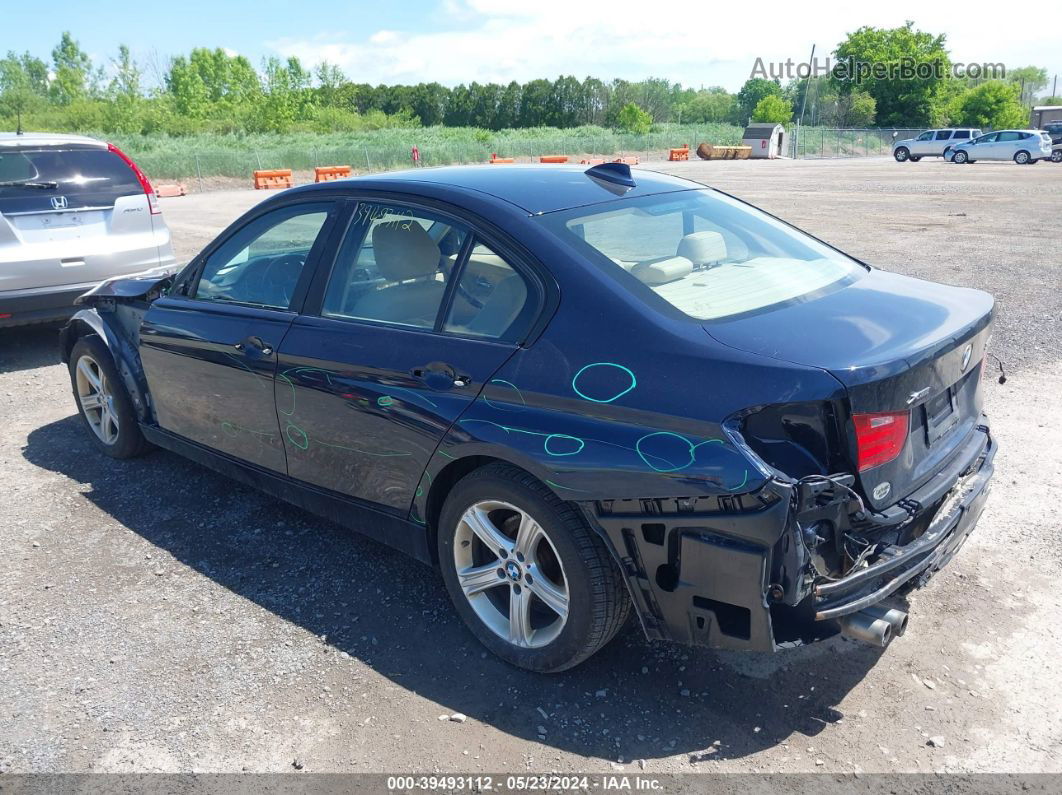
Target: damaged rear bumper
<point x="732" y="573"/>
<point x="910" y="566"/>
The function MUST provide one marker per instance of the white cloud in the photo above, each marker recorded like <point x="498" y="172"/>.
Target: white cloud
<point x="503" y="40"/>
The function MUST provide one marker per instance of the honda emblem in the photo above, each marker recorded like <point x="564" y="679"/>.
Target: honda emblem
<point x="58" y="202"/>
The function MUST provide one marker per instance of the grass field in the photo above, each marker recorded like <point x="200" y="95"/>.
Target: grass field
<point x="236" y="156"/>
<point x="163" y="157"/>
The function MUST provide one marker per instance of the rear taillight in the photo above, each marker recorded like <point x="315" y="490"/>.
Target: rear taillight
<point x="879" y="437"/>
<point x="153" y="200"/>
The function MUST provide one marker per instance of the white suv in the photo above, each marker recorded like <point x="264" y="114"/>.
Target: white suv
<point x="935" y="143"/>
<point x="73" y="212"/>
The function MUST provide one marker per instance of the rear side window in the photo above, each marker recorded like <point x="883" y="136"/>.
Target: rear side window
<point x="73" y="172"/>
<point x="1009" y="136"/>
<point x="961" y="134"/>
<point x="398" y="265"/>
<point x="943" y="135"/>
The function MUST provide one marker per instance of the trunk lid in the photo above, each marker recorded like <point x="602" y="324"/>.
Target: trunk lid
<point x="897" y="344"/>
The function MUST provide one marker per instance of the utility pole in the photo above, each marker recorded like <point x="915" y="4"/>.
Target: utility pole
<point x="804" y="102"/>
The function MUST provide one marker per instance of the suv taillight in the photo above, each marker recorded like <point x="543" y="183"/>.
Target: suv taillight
<point x="153" y="201"/>
<point x="879" y="437"/>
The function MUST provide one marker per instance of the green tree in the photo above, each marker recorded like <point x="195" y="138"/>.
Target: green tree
<point x="901" y="99"/>
<point x="329" y="78"/>
<point x="706" y="106"/>
<point x="1029" y="79"/>
<point x="773" y="108"/>
<point x="633" y="119"/>
<point x="995" y="104"/>
<point x="73" y="70"/>
<point x="19" y="94"/>
<point x="750" y="95"/>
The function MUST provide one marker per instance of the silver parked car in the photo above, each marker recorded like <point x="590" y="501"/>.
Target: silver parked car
<point x="1021" y="146"/>
<point x="73" y="212"/>
<point x="935" y="143"/>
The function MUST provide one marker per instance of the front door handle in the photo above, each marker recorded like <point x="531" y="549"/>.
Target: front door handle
<point x="256" y="344"/>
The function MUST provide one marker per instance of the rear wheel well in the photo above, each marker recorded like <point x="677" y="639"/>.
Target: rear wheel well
<point x="444" y="481"/>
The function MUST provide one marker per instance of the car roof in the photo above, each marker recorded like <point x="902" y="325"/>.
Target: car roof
<point x="530" y="187"/>
<point x="10" y="139"/>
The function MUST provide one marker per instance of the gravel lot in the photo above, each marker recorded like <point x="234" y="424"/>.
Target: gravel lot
<point x="156" y="617"/>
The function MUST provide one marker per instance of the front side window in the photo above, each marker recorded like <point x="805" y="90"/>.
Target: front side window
<point x="706" y="254"/>
<point x="943" y="135"/>
<point x="986" y="139"/>
<point x="260" y="264"/>
<point x="926" y="136"/>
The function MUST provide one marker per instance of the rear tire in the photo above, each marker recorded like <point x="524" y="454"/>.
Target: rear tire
<point x="103" y="401"/>
<point x="506" y="543"/>
<point x="901" y="154"/>
<point x="1021" y="158"/>
<point x="1056" y="156"/>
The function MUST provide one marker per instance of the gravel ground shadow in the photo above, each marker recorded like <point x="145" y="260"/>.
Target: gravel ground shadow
<point x="29" y="347"/>
<point x="633" y="700"/>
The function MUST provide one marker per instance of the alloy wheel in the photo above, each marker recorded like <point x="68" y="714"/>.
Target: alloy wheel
<point x="510" y="573"/>
<point x="97" y="400"/>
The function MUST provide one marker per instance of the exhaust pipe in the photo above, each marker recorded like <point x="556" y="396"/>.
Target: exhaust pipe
<point x="896" y="618"/>
<point x="867" y="629"/>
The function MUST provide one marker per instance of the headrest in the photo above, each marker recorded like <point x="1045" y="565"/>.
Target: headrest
<point x="662" y="271"/>
<point x="701" y="248"/>
<point x="404" y="250"/>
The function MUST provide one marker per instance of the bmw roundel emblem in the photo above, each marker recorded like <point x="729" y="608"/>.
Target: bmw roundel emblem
<point x="966" y="358"/>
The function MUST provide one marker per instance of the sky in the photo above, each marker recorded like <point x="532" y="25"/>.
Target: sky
<point x="458" y="41"/>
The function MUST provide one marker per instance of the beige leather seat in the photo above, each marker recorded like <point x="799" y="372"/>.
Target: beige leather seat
<point x="408" y="259"/>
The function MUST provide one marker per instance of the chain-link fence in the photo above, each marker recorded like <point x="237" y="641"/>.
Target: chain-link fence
<point x="821" y="142"/>
<point x="216" y="164"/>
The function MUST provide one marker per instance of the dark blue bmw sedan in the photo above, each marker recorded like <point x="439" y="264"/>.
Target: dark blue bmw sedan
<point x="575" y="392"/>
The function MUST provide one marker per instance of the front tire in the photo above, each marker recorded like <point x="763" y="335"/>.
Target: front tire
<point x="960" y="157"/>
<point x="527" y="575"/>
<point x="901" y="154"/>
<point x="102" y="400"/>
<point x="1021" y="158"/>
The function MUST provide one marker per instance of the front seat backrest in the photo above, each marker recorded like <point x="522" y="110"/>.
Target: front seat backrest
<point x="408" y="259"/>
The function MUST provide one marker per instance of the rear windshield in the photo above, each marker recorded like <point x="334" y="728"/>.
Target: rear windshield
<point x="706" y="254"/>
<point x="74" y="171"/>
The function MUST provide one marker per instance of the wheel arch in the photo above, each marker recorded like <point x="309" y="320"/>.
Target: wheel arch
<point x="126" y="360"/>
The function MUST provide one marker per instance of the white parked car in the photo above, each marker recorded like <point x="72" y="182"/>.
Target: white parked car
<point x="73" y="212"/>
<point x="932" y="143"/>
<point x="1021" y="146"/>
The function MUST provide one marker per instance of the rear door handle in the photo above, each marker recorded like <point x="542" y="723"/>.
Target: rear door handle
<point x="439" y="375"/>
<point x="256" y="344"/>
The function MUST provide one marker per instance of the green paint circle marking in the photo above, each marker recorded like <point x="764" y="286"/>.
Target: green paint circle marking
<point x="553" y="437"/>
<point x="689" y="452"/>
<point x="621" y="393"/>
<point x="300" y="439"/>
<point x="384" y="400"/>
<point x="229" y="429"/>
